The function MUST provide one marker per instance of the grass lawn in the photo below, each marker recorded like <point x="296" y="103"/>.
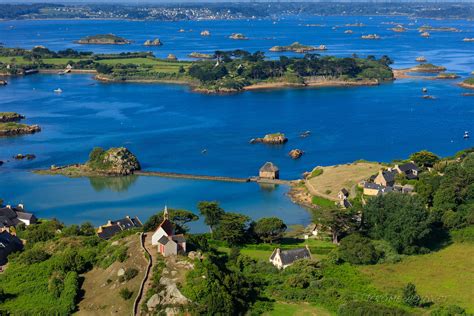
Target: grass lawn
<point x="445" y="277"/>
<point x="324" y="203"/>
<point x="334" y="178"/>
<point x="288" y="309"/>
<point x="319" y="249"/>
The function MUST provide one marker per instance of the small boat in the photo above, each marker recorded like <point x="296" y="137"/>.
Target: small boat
<point x="429" y="97"/>
<point x="204" y="151"/>
<point x="466" y="135"/>
<point x="424" y="90"/>
<point x="58" y="90"/>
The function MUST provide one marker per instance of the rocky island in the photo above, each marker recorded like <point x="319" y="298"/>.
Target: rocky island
<point x="447" y="75"/>
<point x="112" y="162"/>
<point x="295" y="153"/>
<point x="10" y="117"/>
<point x="238" y="36"/>
<point x="200" y="55"/>
<point x="297" y="48"/>
<point x="468" y="83"/>
<point x="104" y="39"/>
<point x="9" y="125"/>
<point x="370" y="37"/>
<point x="271" y="139"/>
<point x="16" y="129"/>
<point x="428" y="68"/>
<point x="155" y="42"/>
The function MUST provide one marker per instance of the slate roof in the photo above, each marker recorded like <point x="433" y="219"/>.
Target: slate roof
<point x="179" y="238"/>
<point x="8" y="244"/>
<point x="269" y="167"/>
<point x="408" y="166"/>
<point x="127" y="223"/>
<point x="26" y="216"/>
<point x="167" y="227"/>
<point x="389" y="175"/>
<point x="290" y="256"/>
<point x="109" y="231"/>
<point x="10" y="216"/>
<point x="344" y="191"/>
<point x="374" y="186"/>
<point x="163" y="240"/>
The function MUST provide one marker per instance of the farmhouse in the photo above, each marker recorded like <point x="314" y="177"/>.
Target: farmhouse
<point x="373" y="189"/>
<point x="269" y="171"/>
<point x="13" y="216"/>
<point x="284" y="258"/>
<point x="410" y="170"/>
<point x="386" y="178"/>
<point x="164" y="237"/>
<point x="112" y="228"/>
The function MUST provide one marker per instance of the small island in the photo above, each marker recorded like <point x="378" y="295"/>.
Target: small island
<point x="238" y="36"/>
<point x="370" y="37"/>
<point x="426" y="28"/>
<point x="297" y="48"/>
<point x="112" y="162"/>
<point x="104" y="39"/>
<point x="428" y="68"/>
<point x="10" y="117"/>
<point x="447" y="75"/>
<point x="200" y="55"/>
<point x="271" y="139"/>
<point x="468" y="83"/>
<point x="155" y="42"/>
<point x="9" y="125"/>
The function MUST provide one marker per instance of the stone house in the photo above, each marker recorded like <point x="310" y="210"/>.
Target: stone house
<point x="14" y="216"/>
<point x="343" y="194"/>
<point x="410" y="170"/>
<point x="386" y="178"/>
<point x="112" y="228"/>
<point x="285" y="258"/>
<point x="373" y="189"/>
<point x="269" y="171"/>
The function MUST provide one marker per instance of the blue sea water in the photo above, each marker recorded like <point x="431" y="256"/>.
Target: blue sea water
<point x="167" y="126"/>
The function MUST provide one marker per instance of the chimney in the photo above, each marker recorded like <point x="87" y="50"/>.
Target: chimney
<point x="109" y="223"/>
<point x="20" y="206"/>
<point x="127" y="217"/>
<point x="9" y="206"/>
<point x="278" y="251"/>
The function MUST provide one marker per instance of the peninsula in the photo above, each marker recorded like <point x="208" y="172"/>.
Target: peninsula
<point x="112" y="162"/>
<point x="104" y="39"/>
<point x="231" y="71"/>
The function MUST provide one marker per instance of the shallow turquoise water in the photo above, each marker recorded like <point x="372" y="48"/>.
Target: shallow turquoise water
<point x="167" y="126"/>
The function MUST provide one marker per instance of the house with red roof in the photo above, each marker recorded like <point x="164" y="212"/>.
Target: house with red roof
<point x="165" y="239"/>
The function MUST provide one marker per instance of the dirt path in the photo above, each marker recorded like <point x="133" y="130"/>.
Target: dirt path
<point x="142" y="290"/>
<point x="152" y="251"/>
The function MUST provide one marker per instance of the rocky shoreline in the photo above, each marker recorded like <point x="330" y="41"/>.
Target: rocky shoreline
<point x="15" y="129"/>
<point x="466" y="85"/>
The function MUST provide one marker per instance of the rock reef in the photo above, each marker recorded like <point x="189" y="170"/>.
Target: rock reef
<point x="271" y="139"/>
<point x="155" y="42"/>
<point x="104" y="39"/>
<point x="297" y="48"/>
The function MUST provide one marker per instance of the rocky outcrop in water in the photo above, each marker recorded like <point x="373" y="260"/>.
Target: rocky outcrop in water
<point x="15" y="129"/>
<point x="24" y="156"/>
<point x="10" y="117"/>
<point x="295" y="153"/>
<point x="104" y="39"/>
<point x="271" y="139"/>
<point x="114" y="161"/>
<point x="155" y="42"/>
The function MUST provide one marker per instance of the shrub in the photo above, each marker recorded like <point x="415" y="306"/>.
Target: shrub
<point x="356" y="249"/>
<point x="32" y="256"/>
<point x="463" y="235"/>
<point x="130" y="273"/>
<point x="316" y="172"/>
<point x="410" y="296"/>
<point x="451" y="310"/>
<point x="125" y="293"/>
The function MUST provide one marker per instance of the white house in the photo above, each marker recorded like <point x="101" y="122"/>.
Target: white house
<point x="284" y="258"/>
<point x="165" y="229"/>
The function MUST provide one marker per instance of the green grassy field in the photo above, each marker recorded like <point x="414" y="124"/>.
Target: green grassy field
<point x="159" y="65"/>
<point x="444" y="277"/>
<point x="319" y="249"/>
<point x="288" y="309"/>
